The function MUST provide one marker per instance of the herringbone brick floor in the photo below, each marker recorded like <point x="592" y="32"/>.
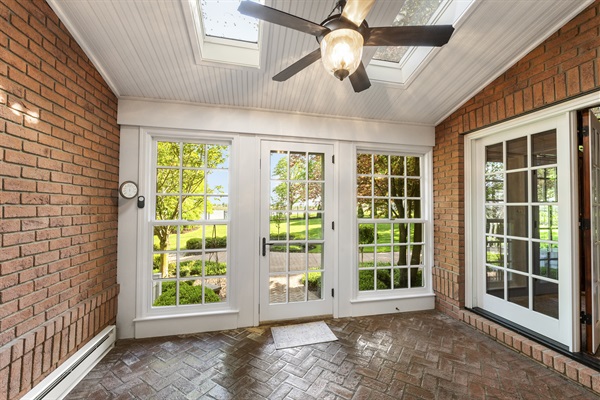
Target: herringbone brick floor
<point x="424" y="355"/>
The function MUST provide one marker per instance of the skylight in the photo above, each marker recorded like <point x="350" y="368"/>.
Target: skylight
<point x="219" y="33"/>
<point x="397" y="65"/>
<point x="221" y="19"/>
<point x="413" y="12"/>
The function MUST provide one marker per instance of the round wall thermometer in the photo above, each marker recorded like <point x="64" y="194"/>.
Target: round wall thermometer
<point x="128" y="189"/>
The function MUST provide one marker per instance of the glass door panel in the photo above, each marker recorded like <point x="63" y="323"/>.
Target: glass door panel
<point x="522" y="271"/>
<point x="296" y="262"/>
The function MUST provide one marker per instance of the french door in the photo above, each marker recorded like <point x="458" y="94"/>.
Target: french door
<point x="296" y="230"/>
<point x="591" y="228"/>
<point x="523" y="227"/>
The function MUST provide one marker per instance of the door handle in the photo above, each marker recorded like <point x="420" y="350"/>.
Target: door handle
<point x="264" y="246"/>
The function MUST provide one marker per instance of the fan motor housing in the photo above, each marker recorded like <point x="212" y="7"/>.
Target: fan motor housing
<point x="338" y="22"/>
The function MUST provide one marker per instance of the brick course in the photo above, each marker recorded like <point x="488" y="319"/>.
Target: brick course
<point x="564" y="66"/>
<point x="570" y="369"/>
<point x="59" y="157"/>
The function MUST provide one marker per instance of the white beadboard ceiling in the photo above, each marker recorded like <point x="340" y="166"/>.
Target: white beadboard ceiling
<point x="143" y="50"/>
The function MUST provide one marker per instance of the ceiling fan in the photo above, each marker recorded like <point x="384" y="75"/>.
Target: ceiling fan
<point x="342" y="37"/>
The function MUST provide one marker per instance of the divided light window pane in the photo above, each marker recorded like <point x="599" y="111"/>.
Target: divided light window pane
<point x="413" y="12"/>
<point x="221" y="19"/>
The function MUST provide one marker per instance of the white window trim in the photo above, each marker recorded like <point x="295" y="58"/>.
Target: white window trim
<point x="427" y="218"/>
<point x="219" y="50"/>
<point x="568" y="112"/>
<point x="144" y="309"/>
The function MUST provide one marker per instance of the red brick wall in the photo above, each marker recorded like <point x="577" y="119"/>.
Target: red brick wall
<point x="59" y="150"/>
<point x="564" y="66"/>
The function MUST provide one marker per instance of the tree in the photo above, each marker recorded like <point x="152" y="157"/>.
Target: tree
<point x="413" y="12"/>
<point x="400" y="170"/>
<point x="366" y="235"/>
<point x="181" y="195"/>
<point x="297" y="192"/>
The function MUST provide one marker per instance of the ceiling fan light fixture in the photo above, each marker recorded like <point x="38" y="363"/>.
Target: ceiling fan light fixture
<point x="341" y="52"/>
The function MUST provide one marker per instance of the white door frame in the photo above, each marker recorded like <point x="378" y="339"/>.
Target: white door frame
<point x="591" y="163"/>
<point x="294" y="310"/>
<point x="566" y="113"/>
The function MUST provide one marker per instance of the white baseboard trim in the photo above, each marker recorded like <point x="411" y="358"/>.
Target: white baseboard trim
<point x="61" y="381"/>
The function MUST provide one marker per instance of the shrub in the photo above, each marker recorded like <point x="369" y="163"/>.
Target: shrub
<point x="214" y="268"/>
<point x="366" y="234"/>
<point x="216" y="243"/>
<point x="156" y="264"/>
<point x="194" y="268"/>
<point x="383" y="277"/>
<point x="314" y="282"/>
<point x="190" y="268"/>
<point x="188" y="294"/>
<point x="366" y="277"/>
<point x="194" y="244"/>
<point x="211" y="243"/>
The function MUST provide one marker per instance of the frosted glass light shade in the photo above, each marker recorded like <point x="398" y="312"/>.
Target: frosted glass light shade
<point x="341" y="52"/>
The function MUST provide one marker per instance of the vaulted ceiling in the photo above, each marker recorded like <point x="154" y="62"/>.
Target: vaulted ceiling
<point x="143" y="50"/>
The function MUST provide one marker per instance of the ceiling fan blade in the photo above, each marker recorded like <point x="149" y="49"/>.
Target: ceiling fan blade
<point x="298" y="66"/>
<point x="359" y="79"/>
<point x="427" y="35"/>
<point x="272" y="15"/>
<point x="357" y="10"/>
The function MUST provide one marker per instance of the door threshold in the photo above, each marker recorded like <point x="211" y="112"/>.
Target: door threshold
<point x="301" y="320"/>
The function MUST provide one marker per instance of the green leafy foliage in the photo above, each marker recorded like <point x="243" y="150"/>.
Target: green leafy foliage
<point x="211" y="243"/>
<point x="314" y="282"/>
<point x="182" y="196"/>
<point x="366" y="234"/>
<point x="194" y="268"/>
<point x="188" y="294"/>
<point x="384" y="280"/>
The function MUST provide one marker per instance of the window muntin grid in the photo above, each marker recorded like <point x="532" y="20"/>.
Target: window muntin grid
<point x="191" y="223"/>
<point x="390" y="224"/>
<point x="521" y="222"/>
<point x="296" y="230"/>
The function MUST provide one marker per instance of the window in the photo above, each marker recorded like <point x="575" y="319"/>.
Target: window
<point x="190" y="224"/>
<point x="396" y="65"/>
<point x="413" y="12"/>
<point x="219" y="33"/>
<point x="391" y="225"/>
<point x="221" y="19"/>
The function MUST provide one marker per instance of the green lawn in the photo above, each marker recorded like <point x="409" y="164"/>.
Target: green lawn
<point x="298" y="229"/>
<point x="221" y="231"/>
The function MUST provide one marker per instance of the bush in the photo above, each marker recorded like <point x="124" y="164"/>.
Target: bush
<point x="211" y="243"/>
<point x="216" y="243"/>
<point x="365" y="280"/>
<point x="194" y="244"/>
<point x="188" y="294"/>
<point x="366" y="234"/>
<point x="156" y="264"/>
<point x="384" y="281"/>
<point x="190" y="268"/>
<point x="214" y="268"/>
<point x="194" y="268"/>
<point x="314" y="282"/>
<point x="383" y="277"/>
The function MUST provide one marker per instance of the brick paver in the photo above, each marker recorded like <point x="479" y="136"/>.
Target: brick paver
<point x="421" y="355"/>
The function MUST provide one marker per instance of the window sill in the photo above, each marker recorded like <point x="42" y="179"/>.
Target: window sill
<point x="372" y="298"/>
<point x="187" y="315"/>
